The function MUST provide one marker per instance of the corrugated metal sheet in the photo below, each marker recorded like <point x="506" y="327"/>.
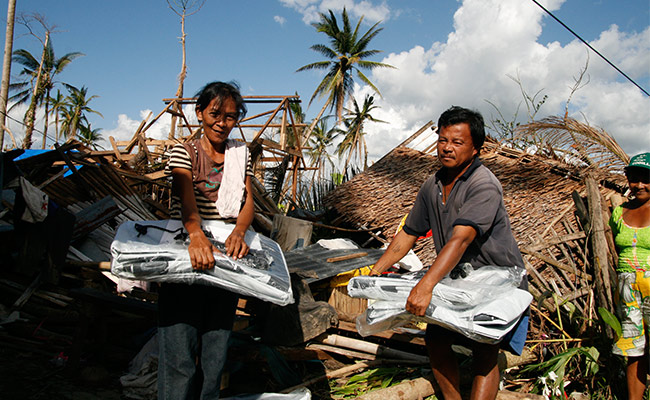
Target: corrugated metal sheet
<point x="311" y="262"/>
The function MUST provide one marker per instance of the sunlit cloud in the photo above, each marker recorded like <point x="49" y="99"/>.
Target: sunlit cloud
<point x="493" y="55"/>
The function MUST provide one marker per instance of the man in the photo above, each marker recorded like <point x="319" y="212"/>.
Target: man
<point x="462" y="204"/>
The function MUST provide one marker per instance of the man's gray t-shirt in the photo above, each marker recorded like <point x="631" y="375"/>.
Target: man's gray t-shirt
<point x="476" y="200"/>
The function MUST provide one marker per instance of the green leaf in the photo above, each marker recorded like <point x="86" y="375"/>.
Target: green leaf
<point x="611" y="320"/>
<point x="591" y="362"/>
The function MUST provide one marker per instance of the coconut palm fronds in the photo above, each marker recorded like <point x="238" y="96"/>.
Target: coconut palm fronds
<point x="567" y="139"/>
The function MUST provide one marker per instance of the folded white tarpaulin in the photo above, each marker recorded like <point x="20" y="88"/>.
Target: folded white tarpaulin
<point x="483" y="306"/>
<point x="298" y="394"/>
<point x="157" y="251"/>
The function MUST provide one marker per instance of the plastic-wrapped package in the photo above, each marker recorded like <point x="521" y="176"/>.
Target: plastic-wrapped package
<point x="484" y="305"/>
<point x="298" y="394"/>
<point x="157" y="251"/>
<point x="477" y="287"/>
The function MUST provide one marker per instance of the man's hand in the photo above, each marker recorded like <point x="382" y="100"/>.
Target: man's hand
<point x="201" y="250"/>
<point x="419" y="299"/>
<point x="236" y="246"/>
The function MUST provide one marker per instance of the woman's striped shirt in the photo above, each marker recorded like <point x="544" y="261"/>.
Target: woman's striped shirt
<point x="206" y="177"/>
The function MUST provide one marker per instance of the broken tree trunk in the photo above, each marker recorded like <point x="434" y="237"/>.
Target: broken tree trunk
<point x="423" y="387"/>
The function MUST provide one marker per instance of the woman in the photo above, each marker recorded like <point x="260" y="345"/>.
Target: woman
<point x="211" y="180"/>
<point x="630" y="224"/>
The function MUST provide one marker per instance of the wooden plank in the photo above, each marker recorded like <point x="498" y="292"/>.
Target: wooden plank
<point x="547" y="243"/>
<point x="18" y="304"/>
<point x="118" y="155"/>
<point x="277" y="146"/>
<point x="556" y="263"/>
<point x="416" y="134"/>
<point x="134" y="139"/>
<point x="347" y="257"/>
<point x="155" y="175"/>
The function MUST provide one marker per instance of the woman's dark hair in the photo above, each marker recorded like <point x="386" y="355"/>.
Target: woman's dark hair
<point x="221" y="91"/>
<point x="457" y="115"/>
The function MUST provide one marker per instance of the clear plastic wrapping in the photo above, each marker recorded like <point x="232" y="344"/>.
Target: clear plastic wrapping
<point x="157" y="251"/>
<point x="483" y="305"/>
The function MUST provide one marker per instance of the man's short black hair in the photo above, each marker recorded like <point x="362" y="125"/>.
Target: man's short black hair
<point x="457" y="115"/>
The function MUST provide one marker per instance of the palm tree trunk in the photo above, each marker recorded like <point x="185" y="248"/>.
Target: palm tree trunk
<point x="6" y="68"/>
<point x="47" y="114"/>
<point x="313" y="125"/>
<point x="30" y="115"/>
<point x="56" y="127"/>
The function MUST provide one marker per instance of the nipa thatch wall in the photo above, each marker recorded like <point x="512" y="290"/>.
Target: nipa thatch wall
<point x="537" y="192"/>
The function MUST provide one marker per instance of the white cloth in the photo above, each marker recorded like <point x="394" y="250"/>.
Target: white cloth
<point x="233" y="181"/>
<point x="36" y="201"/>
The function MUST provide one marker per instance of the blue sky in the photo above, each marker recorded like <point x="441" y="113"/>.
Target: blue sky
<point x="447" y="52"/>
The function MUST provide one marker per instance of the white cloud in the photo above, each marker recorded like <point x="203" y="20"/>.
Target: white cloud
<point x="310" y="9"/>
<point x="495" y="40"/>
<point x="280" y="20"/>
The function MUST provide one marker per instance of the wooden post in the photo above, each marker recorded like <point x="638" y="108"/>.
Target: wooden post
<point x="599" y="245"/>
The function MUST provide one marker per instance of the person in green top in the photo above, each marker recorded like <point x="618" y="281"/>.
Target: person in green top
<point x="630" y="225"/>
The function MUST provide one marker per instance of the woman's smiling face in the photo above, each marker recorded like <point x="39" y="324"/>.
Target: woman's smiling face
<point x="639" y="181"/>
<point x="218" y="119"/>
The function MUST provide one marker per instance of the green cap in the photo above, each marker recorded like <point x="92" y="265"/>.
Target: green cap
<point x="640" y="160"/>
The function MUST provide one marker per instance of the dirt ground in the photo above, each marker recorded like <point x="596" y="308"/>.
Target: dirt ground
<point x="35" y="374"/>
<point x="33" y="370"/>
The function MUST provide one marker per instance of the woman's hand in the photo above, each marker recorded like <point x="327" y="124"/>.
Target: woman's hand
<point x="236" y="246"/>
<point x="201" y="250"/>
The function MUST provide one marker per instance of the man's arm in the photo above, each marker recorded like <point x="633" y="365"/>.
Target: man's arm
<point x="420" y="296"/>
<point x="397" y="249"/>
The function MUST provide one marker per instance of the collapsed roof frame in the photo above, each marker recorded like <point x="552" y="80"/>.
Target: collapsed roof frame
<point x="266" y="151"/>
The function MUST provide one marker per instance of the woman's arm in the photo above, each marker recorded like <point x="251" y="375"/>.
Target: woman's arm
<point x="236" y="246"/>
<point x="200" y="247"/>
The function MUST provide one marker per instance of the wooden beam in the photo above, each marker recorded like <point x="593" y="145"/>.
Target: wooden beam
<point x="116" y="151"/>
<point x="156" y="175"/>
<point x="277" y="146"/>
<point x="258" y="134"/>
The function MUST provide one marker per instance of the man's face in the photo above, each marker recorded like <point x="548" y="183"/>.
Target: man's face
<point x="455" y="146"/>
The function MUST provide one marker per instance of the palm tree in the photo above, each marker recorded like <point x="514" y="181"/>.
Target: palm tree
<point x="58" y="104"/>
<point x="90" y="137"/>
<point x="321" y="138"/>
<point x="74" y="114"/>
<point x="353" y="140"/>
<point x="347" y="53"/>
<point x="40" y="81"/>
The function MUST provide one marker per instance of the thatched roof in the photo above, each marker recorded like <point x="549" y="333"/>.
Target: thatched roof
<point x="537" y="192"/>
